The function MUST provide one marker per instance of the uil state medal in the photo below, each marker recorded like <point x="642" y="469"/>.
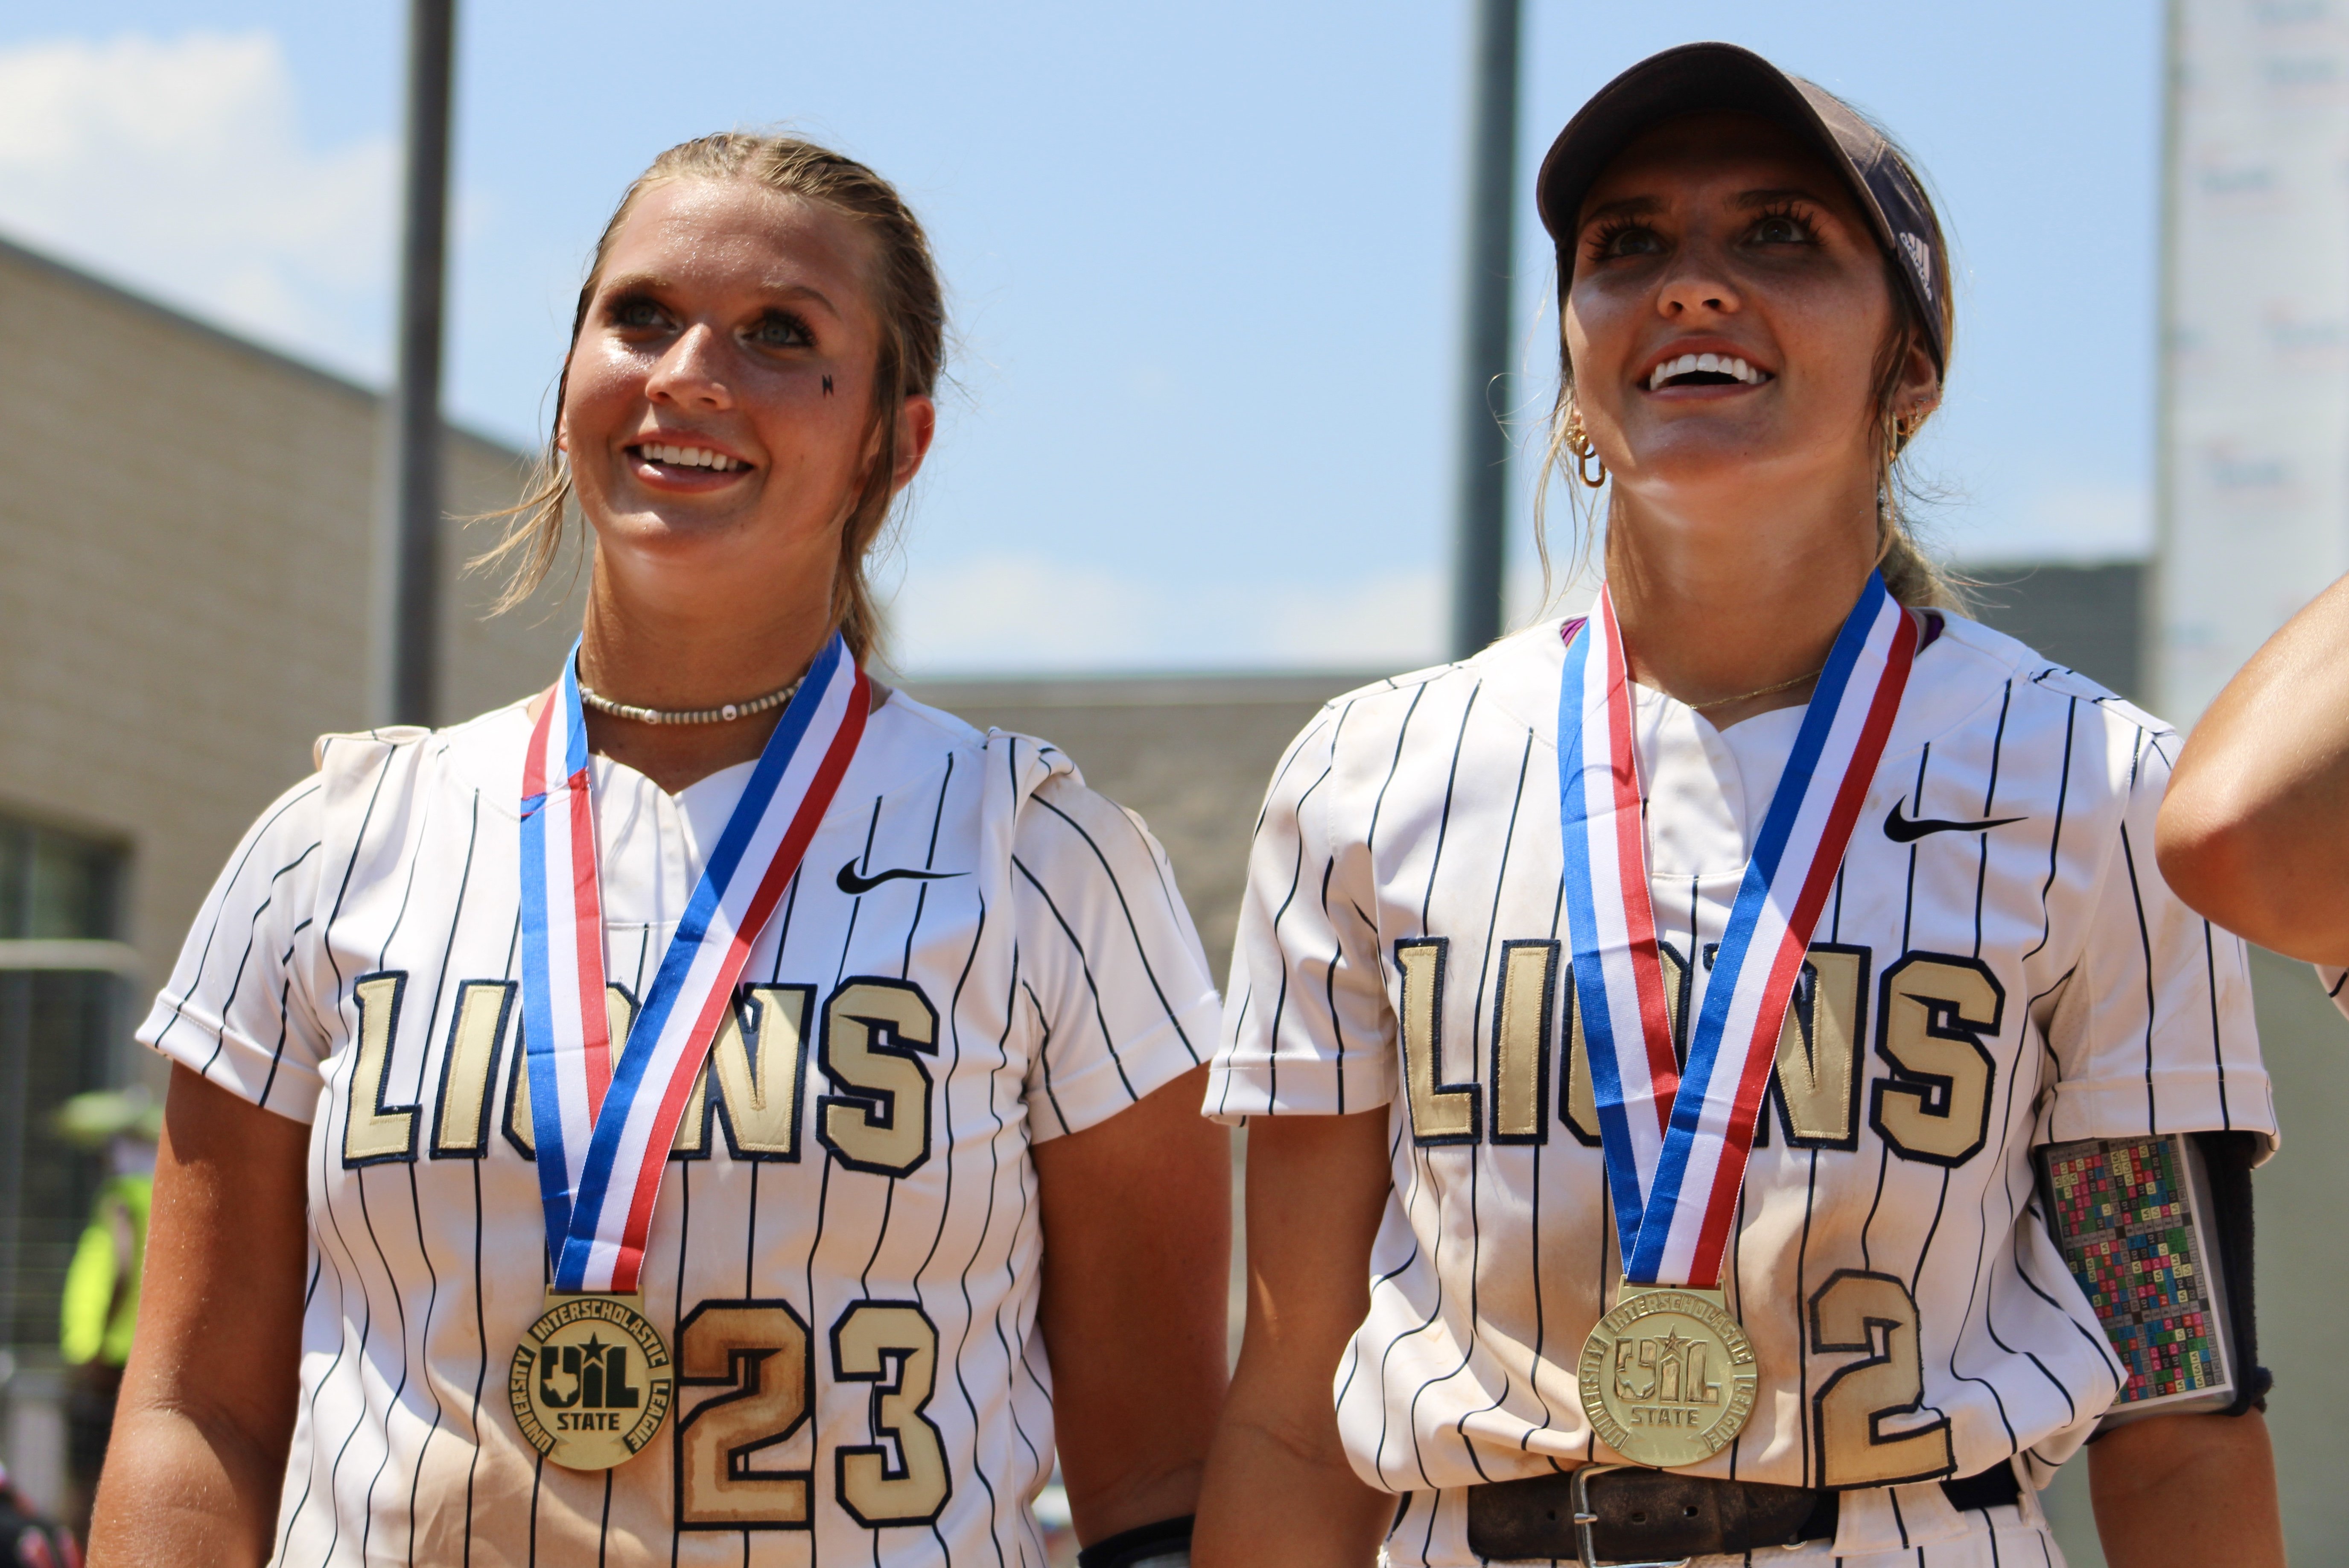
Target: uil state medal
<point x="591" y="1382"/>
<point x="1668" y="1378"/>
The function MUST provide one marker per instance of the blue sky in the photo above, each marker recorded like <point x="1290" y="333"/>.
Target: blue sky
<point x="1204" y="258"/>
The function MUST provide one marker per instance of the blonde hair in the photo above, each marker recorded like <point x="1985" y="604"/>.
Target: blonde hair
<point x="906" y="299"/>
<point x="1910" y="575"/>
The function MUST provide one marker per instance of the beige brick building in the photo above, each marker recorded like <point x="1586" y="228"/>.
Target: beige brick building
<point x="185" y="525"/>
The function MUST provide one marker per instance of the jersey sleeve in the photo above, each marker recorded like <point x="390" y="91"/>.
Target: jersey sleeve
<point x="234" y="1009"/>
<point x="2153" y="1030"/>
<point x="1306" y="1028"/>
<point x="2335" y="983"/>
<point x="1109" y="961"/>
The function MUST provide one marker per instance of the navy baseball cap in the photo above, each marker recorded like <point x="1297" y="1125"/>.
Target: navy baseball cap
<point x="1697" y="79"/>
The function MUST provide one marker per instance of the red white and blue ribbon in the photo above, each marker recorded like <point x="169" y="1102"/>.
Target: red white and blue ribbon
<point x="604" y="1117"/>
<point x="1676" y="1140"/>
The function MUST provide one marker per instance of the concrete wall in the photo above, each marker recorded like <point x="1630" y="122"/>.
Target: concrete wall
<point x="1192" y="755"/>
<point x="2091" y="618"/>
<point x="184" y="553"/>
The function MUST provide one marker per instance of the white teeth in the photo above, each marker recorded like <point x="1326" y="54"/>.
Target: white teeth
<point x="1669" y="369"/>
<point x="689" y="457"/>
<point x="1716" y="364"/>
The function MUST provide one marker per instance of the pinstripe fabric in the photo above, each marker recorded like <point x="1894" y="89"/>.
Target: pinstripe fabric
<point x="1418" y="809"/>
<point x="1066" y="981"/>
<point x="2335" y="983"/>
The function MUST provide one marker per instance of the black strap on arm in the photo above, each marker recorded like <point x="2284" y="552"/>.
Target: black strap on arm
<point x="1168" y="1542"/>
<point x="2227" y="1160"/>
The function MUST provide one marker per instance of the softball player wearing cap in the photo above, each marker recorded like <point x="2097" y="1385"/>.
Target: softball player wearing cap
<point x="1689" y="1050"/>
<point x="719" y="1111"/>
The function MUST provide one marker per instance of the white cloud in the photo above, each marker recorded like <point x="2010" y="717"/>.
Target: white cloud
<point x="1021" y="612"/>
<point x="1018" y="612"/>
<point x="179" y="168"/>
<point x="1392" y="621"/>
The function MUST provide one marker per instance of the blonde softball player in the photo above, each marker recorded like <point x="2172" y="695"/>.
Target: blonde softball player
<point x="1725" y="1078"/>
<point x="719" y="1111"/>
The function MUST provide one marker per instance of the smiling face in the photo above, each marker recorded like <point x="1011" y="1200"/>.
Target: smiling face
<point x="718" y="412"/>
<point x="1727" y="315"/>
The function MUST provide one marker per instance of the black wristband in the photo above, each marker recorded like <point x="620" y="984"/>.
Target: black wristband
<point x="1167" y="1538"/>
<point x="2226" y="1159"/>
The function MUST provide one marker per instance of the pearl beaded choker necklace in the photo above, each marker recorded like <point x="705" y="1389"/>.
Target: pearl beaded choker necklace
<point x="725" y="713"/>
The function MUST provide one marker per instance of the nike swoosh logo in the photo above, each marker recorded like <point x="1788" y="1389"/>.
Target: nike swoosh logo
<point x="1908" y="829"/>
<point x="853" y="885"/>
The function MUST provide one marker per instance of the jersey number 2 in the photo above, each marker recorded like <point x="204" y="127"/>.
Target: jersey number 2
<point x="1873" y="1313"/>
<point x="761" y="1351"/>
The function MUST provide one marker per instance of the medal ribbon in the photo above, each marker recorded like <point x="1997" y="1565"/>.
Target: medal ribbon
<point x="604" y="1117"/>
<point x="1676" y="1140"/>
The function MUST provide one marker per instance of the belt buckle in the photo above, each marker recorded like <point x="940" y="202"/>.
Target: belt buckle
<point x="1585" y="1548"/>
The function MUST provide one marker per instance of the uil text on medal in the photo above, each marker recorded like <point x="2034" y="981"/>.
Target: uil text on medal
<point x="1668" y="1378"/>
<point x="591" y="1382"/>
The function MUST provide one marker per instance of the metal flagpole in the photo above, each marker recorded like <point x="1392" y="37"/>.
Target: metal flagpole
<point x="1483" y="496"/>
<point x="409" y="576"/>
<point x="2153" y="667"/>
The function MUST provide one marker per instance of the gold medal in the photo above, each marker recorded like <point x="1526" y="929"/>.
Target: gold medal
<point x="591" y="1381"/>
<point x="1668" y="1378"/>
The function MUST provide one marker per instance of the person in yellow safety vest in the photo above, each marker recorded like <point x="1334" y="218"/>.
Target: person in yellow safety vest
<point x="101" y="1305"/>
<point x="100" y="1308"/>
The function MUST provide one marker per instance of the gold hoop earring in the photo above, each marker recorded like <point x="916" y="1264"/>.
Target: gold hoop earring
<point x="1899" y="429"/>
<point x="1578" y="441"/>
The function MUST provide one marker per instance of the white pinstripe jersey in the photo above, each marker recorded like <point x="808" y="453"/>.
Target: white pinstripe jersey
<point x="1999" y="965"/>
<point x="977" y="954"/>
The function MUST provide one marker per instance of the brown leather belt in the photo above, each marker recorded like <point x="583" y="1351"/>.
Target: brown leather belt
<point x="1619" y="1514"/>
